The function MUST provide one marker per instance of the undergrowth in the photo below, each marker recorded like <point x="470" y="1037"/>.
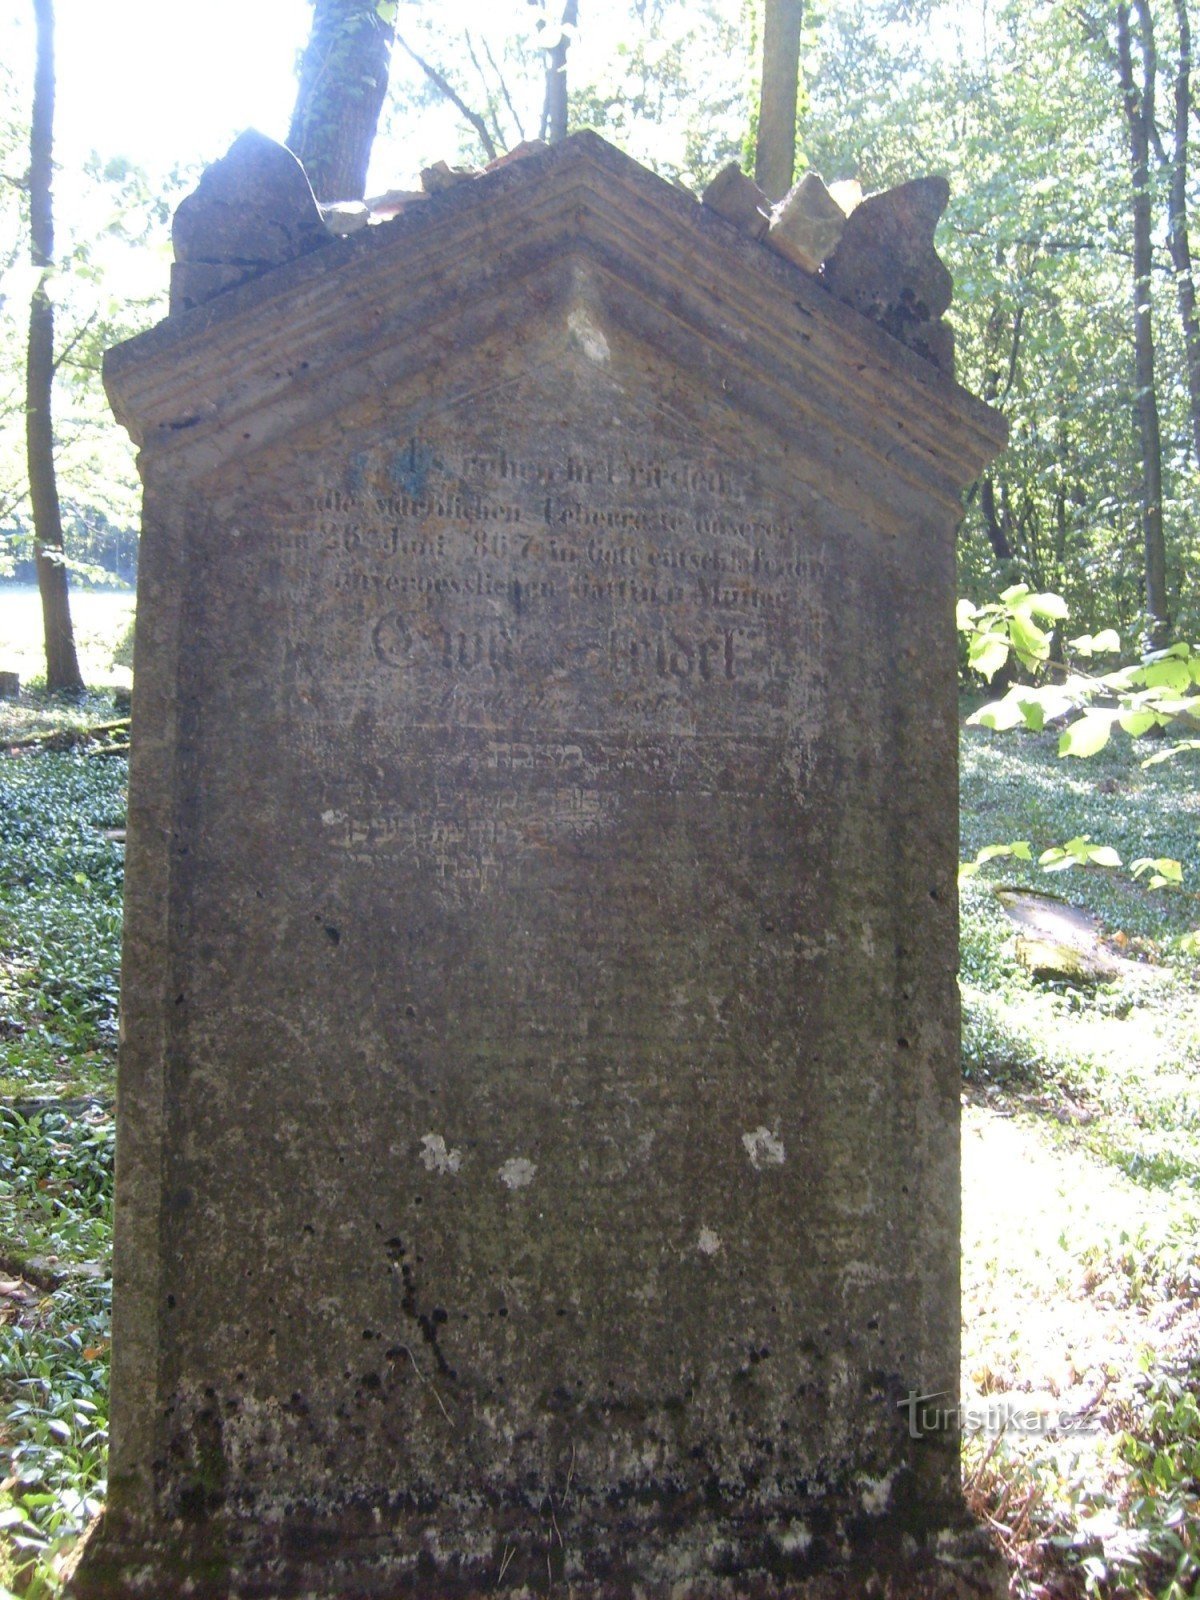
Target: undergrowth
<point x="61" y="868"/>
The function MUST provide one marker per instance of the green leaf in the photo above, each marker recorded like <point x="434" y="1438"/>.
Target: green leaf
<point x="1050" y="607"/>
<point x="1088" y="735"/>
<point x="1028" y="639"/>
<point x="1019" y="848"/>
<point x="1164" y="870"/>
<point x="1169" y="673"/>
<point x="964" y="614"/>
<point x="1103" y="643"/>
<point x="999" y="715"/>
<point x="1169" y="755"/>
<point x="1135" y="723"/>
<point x="987" y="653"/>
<point x="1056" y="859"/>
<point x="1016" y="592"/>
<point x="1103" y="855"/>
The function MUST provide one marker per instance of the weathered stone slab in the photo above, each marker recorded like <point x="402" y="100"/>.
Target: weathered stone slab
<point x="538" y="1104"/>
<point x="252" y="210"/>
<point x="886" y="266"/>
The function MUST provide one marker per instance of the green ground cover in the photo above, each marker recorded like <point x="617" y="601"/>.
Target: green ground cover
<point x="1081" y="1164"/>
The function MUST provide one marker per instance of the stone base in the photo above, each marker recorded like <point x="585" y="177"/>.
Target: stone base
<point x="713" y="1558"/>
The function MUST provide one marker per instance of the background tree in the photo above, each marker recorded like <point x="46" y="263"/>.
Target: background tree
<point x="1138" y="99"/>
<point x="775" y="146"/>
<point x="554" y="109"/>
<point x="343" y="81"/>
<point x="62" y="664"/>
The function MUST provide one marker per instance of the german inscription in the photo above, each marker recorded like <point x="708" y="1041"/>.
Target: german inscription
<point x="578" y="626"/>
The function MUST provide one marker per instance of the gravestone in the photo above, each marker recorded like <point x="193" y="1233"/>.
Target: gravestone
<point x="538" y="1103"/>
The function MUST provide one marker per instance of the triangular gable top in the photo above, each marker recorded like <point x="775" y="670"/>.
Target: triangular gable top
<point x="258" y="362"/>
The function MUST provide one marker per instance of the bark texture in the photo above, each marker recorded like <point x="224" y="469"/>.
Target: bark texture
<point x="554" y="111"/>
<point x="1177" y="223"/>
<point x="62" y="663"/>
<point x="775" y="150"/>
<point x="343" y="79"/>
<point x="1138" y="118"/>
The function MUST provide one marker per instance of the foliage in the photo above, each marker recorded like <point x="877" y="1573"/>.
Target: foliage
<point x="108" y="283"/>
<point x="60" y="914"/>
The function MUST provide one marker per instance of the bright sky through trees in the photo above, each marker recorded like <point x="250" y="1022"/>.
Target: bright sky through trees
<point x="164" y="84"/>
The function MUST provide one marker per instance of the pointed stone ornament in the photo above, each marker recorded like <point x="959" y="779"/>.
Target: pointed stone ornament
<point x="738" y="199"/>
<point x="886" y="265"/>
<point x="251" y="211"/>
<point x="538" y="1150"/>
<point x="807" y="223"/>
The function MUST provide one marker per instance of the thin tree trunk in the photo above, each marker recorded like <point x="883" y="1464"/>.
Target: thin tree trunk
<point x="554" y="110"/>
<point x="343" y="79"/>
<point x="993" y="527"/>
<point x="1137" y="116"/>
<point x="1177" y="223"/>
<point x="775" y="147"/>
<point x="62" y="663"/>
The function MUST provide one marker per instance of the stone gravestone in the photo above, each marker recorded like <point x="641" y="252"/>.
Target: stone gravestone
<point x="538" y="1146"/>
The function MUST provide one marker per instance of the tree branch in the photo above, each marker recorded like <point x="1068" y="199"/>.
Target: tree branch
<point x="445" y="88"/>
<point x="503" y="82"/>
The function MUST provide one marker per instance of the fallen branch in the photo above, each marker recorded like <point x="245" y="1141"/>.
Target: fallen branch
<point x="105" y="733"/>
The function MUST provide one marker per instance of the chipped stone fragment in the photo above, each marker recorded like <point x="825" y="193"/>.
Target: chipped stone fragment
<point x="807" y="223"/>
<point x="441" y="176"/>
<point x="887" y="268"/>
<point x="739" y="200"/>
<point x="252" y="210"/>
<point x="393" y="202"/>
<point x="527" y="147"/>
<point x="344" y="217"/>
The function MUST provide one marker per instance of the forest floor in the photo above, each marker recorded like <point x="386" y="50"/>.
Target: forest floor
<point x="1081" y="1267"/>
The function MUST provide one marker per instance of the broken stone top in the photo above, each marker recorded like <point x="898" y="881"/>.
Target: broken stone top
<point x="254" y="210"/>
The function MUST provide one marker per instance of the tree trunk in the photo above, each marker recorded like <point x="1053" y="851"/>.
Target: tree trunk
<point x="1137" y="116"/>
<point x="1177" y="223"/>
<point x="62" y="664"/>
<point x="343" y="79"/>
<point x="554" y="110"/>
<point x="775" y="148"/>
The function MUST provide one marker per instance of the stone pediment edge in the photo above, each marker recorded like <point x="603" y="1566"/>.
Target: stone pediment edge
<point x="488" y="234"/>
